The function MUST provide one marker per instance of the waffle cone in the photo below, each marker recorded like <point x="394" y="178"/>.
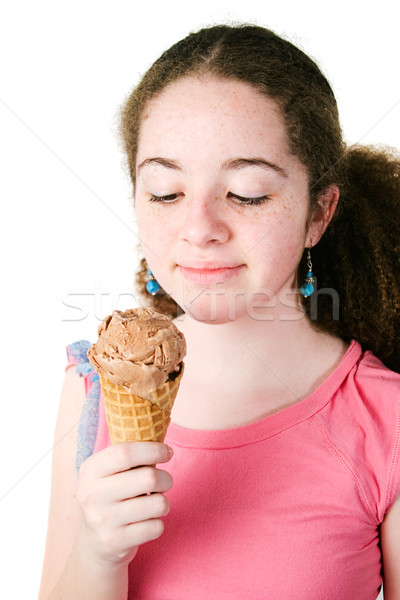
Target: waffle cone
<point x="131" y="418"/>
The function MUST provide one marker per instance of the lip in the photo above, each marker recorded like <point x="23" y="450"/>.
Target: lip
<point x="207" y="274"/>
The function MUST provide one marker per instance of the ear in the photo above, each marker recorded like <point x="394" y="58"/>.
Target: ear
<point x="322" y="215"/>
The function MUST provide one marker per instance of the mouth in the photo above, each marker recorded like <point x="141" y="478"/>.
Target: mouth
<point x="209" y="274"/>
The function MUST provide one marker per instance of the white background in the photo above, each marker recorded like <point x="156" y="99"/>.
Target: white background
<point x="67" y="228"/>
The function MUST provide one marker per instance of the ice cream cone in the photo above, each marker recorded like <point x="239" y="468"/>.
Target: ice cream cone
<point x="131" y="418"/>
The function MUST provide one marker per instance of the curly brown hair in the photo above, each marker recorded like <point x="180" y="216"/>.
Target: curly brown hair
<point x="357" y="260"/>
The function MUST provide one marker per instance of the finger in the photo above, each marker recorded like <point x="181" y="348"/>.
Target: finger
<point x="144" y="531"/>
<point x="132" y="483"/>
<point x="142" y="508"/>
<point x="121" y="457"/>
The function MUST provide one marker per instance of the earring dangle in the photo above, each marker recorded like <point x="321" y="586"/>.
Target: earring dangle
<point x="308" y="288"/>
<point x="152" y="286"/>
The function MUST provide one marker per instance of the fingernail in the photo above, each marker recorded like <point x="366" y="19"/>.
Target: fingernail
<point x="170" y="451"/>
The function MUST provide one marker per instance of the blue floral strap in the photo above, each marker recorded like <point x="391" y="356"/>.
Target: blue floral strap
<point x="89" y="421"/>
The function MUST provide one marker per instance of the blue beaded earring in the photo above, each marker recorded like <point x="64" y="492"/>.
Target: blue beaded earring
<point x="308" y="288"/>
<point x="152" y="286"/>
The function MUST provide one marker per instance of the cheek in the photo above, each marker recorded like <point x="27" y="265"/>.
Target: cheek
<point x="153" y="232"/>
<point x="276" y="246"/>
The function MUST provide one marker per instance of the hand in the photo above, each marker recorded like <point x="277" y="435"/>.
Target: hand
<point x="112" y="492"/>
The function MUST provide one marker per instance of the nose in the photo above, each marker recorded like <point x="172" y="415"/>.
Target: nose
<point x="205" y="222"/>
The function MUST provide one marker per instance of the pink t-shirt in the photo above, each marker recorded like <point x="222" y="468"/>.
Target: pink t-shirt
<point x="286" y="508"/>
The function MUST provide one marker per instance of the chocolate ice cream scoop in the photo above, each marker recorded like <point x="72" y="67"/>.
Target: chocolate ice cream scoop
<point x="138" y="349"/>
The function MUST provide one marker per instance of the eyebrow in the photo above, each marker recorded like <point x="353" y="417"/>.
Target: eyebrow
<point x="164" y="162"/>
<point x="233" y="164"/>
<point x="240" y="163"/>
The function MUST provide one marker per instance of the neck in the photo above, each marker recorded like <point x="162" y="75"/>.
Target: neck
<point x="240" y="343"/>
<point x="250" y="367"/>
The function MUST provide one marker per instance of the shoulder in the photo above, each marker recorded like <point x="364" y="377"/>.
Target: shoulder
<point x="79" y="393"/>
<point x="77" y="356"/>
<point x="372" y="370"/>
<point x="371" y="382"/>
<point x="366" y="392"/>
<point x="73" y="397"/>
<point x="373" y="393"/>
<point x="362" y="423"/>
<point x="89" y="409"/>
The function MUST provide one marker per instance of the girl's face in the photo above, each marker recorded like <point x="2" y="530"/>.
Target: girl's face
<point x="221" y="203"/>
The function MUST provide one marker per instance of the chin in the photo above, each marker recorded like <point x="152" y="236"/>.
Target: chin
<point x="214" y="306"/>
<point x="208" y="318"/>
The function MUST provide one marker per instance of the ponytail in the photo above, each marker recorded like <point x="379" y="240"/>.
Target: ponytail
<point x="359" y="256"/>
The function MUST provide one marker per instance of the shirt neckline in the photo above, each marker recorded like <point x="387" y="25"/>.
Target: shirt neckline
<point x="272" y="424"/>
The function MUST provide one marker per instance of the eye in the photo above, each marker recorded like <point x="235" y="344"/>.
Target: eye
<point x="248" y="201"/>
<point x="166" y="199"/>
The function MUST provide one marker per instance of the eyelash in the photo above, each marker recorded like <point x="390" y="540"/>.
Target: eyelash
<point x="242" y="200"/>
<point x="249" y="201"/>
<point x="169" y="198"/>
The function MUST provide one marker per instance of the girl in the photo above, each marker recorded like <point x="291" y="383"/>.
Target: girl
<point x="277" y="252"/>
